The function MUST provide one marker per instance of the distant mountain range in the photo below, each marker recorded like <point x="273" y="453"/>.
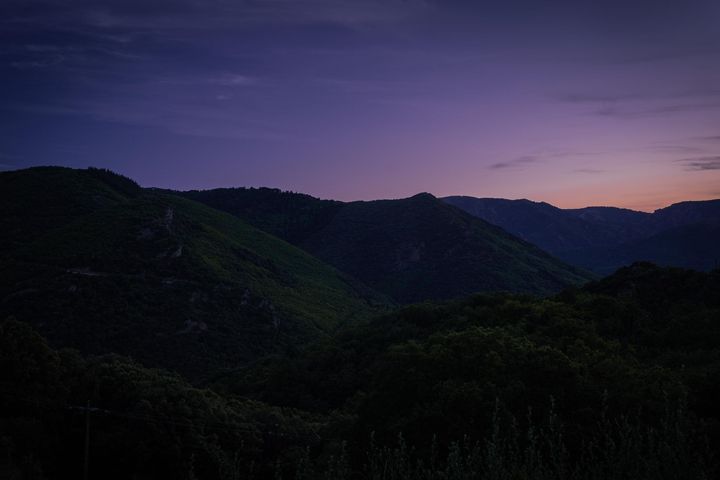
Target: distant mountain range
<point x="412" y="249"/>
<point x="602" y="239"/>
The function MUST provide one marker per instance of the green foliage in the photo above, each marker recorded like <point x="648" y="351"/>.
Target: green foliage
<point x="412" y="249"/>
<point x="98" y="264"/>
<point x="144" y="423"/>
<point x="308" y="374"/>
<point x="626" y="345"/>
<point x="290" y="216"/>
<point x="490" y="387"/>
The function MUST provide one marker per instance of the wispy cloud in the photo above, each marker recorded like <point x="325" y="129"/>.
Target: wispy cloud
<point x="230" y="80"/>
<point x="679" y="149"/>
<point x="639" y="104"/>
<point x="182" y="119"/>
<point x="636" y="96"/>
<point x="589" y="171"/>
<point x="176" y="15"/>
<point x="701" y="163"/>
<point x="632" y="112"/>
<point x="515" y="162"/>
<point x="45" y="62"/>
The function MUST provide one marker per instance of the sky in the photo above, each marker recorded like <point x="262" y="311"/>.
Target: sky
<point x="575" y="103"/>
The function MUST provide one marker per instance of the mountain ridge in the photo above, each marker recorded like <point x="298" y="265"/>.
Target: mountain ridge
<point x="158" y="277"/>
<point x="603" y="239"/>
<point x="413" y="249"/>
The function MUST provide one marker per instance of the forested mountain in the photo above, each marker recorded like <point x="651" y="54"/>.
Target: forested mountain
<point x="579" y="386"/>
<point x="276" y="365"/>
<point x="288" y="215"/>
<point x="95" y="262"/>
<point x="603" y="239"/>
<point x="411" y="249"/>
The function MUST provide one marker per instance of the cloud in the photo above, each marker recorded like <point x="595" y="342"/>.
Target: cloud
<point x="233" y="80"/>
<point x="697" y="92"/>
<point x="542" y="155"/>
<point x="638" y="104"/>
<point x="182" y="119"/>
<point x="680" y="149"/>
<point x="658" y="111"/>
<point x="191" y="15"/>
<point x="600" y="98"/>
<point x="591" y="171"/>
<point x="515" y="163"/>
<point x="45" y="62"/>
<point x="701" y="163"/>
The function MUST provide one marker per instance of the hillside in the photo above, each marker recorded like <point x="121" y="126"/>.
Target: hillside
<point x="412" y="249"/>
<point x="97" y="263"/>
<point x="539" y="223"/>
<point x="575" y="386"/>
<point x="603" y="239"/>
<point x="288" y="215"/>
<point x="690" y="246"/>
<point x="620" y="348"/>
<point x="686" y="213"/>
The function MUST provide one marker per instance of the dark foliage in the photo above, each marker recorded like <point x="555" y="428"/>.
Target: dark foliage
<point x="294" y="370"/>
<point x="98" y="264"/>
<point x="412" y="249"/>
<point x="615" y="381"/>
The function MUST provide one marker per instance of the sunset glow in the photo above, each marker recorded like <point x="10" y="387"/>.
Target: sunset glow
<point x="571" y="103"/>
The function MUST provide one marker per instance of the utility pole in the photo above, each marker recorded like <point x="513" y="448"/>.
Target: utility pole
<point x="87" y="441"/>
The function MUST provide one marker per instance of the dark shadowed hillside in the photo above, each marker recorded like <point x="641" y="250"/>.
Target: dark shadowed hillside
<point x="606" y="238"/>
<point x="539" y="223"/>
<point x="97" y="263"/>
<point x="622" y="346"/>
<point x="577" y="386"/>
<point x="686" y="213"/>
<point x="691" y="246"/>
<point x="412" y="249"/>
<point x="288" y="215"/>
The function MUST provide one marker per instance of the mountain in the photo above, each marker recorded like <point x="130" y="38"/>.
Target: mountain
<point x="603" y="239"/>
<point x="411" y="249"/>
<point x="686" y="213"/>
<point x="625" y="224"/>
<point x="616" y="380"/>
<point x="615" y="348"/>
<point x="97" y="263"/>
<point x="692" y="246"/>
<point x="288" y="215"/>
<point x="539" y="223"/>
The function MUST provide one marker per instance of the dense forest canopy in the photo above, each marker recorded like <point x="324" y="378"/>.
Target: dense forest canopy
<point x="579" y="385"/>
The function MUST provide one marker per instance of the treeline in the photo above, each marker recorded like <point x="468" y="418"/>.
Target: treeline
<point x="618" y="380"/>
<point x="144" y="423"/>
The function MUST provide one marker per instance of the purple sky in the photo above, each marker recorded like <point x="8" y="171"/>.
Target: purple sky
<point x="571" y="102"/>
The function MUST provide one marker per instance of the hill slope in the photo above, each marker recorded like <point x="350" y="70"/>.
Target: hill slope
<point x="539" y="223"/>
<point x="605" y="238"/>
<point x="621" y="377"/>
<point x="413" y="249"/>
<point x="691" y="246"/>
<point x="96" y="262"/>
